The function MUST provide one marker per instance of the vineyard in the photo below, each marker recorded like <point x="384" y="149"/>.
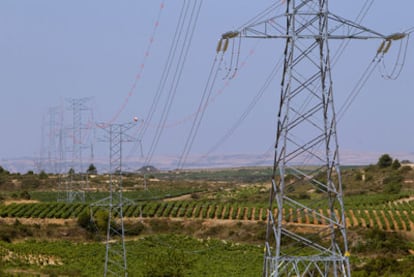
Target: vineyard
<point x="146" y="257"/>
<point x="391" y="216"/>
<point x="218" y="219"/>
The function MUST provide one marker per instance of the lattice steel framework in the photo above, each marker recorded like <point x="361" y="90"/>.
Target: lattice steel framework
<point x="76" y="182"/>
<point x="306" y="147"/>
<point x="115" y="255"/>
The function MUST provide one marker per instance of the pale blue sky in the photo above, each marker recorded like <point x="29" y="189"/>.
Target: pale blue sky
<point x="53" y="50"/>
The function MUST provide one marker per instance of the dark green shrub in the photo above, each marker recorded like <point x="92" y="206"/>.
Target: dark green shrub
<point x="168" y="263"/>
<point x="84" y="220"/>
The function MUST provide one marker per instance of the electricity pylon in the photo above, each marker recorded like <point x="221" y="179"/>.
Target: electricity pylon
<point x="306" y="181"/>
<point x="76" y="182"/>
<point x="115" y="255"/>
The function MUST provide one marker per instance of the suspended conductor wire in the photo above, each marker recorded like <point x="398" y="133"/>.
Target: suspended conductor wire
<point x="266" y="12"/>
<point x="358" y="87"/>
<point x="211" y="80"/>
<point x="174" y="83"/>
<point x="166" y="69"/>
<point x="202" y="108"/>
<point x="189" y="33"/>
<point x="246" y="112"/>
<point x="361" y="15"/>
<point x="138" y="76"/>
<point x="219" y="92"/>
<point x="198" y="115"/>
<point x="371" y="67"/>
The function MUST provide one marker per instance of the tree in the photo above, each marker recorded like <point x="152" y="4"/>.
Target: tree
<point x="43" y="175"/>
<point x="384" y="161"/>
<point x="396" y="164"/>
<point x="92" y="169"/>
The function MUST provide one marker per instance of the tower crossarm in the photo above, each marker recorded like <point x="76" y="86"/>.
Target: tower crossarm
<point x="339" y="28"/>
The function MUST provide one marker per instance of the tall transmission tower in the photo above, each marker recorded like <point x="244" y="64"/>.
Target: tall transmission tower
<point x="306" y="148"/>
<point x="115" y="255"/>
<point x="77" y="179"/>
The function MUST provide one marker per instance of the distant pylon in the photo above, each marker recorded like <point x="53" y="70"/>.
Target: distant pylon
<point x="306" y="181"/>
<point x="115" y="255"/>
<point x="76" y="182"/>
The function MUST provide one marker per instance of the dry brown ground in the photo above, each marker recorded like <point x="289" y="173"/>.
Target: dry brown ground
<point x="19" y="201"/>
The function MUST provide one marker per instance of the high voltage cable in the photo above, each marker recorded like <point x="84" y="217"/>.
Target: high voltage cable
<point x="211" y="99"/>
<point x="358" y="87"/>
<point x="203" y="106"/>
<point x="246" y="112"/>
<point x="138" y="76"/>
<point x="361" y="15"/>
<point x="195" y="12"/>
<point x="201" y="110"/>
<point x="165" y="72"/>
<point x="174" y="83"/>
<point x="269" y="10"/>
<point x="368" y="72"/>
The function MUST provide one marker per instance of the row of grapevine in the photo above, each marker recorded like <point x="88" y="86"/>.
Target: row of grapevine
<point x="386" y="219"/>
<point x="42" y="210"/>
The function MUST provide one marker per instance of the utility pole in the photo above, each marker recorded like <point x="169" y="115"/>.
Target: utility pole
<point x="115" y="255"/>
<point x="306" y="158"/>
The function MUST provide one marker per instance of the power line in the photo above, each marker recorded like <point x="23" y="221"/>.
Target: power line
<point x="189" y="33"/>
<point x="147" y="53"/>
<point x="246" y="112"/>
<point x="200" y="111"/>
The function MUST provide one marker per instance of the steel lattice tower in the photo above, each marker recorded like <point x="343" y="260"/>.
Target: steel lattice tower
<point x="115" y="255"/>
<point x="306" y="147"/>
<point x="77" y="179"/>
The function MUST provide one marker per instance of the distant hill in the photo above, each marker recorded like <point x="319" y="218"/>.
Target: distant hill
<point x="168" y="162"/>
